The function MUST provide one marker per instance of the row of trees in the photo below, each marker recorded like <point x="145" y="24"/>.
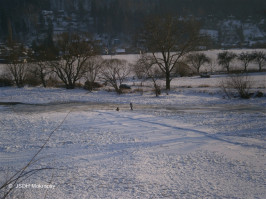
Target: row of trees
<point x="74" y="50"/>
<point x="197" y="60"/>
<point x="225" y="59"/>
<point x="114" y="72"/>
<point x="167" y="42"/>
<point x="78" y="58"/>
<point x="147" y="67"/>
<point x="170" y="37"/>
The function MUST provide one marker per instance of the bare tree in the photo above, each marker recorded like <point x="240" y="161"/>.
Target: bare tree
<point x="196" y="60"/>
<point x="114" y="72"/>
<point x="169" y="39"/>
<point x="146" y="68"/>
<point x="75" y="51"/>
<point x="246" y="58"/>
<point x="225" y="58"/>
<point x="17" y="63"/>
<point x="94" y="65"/>
<point x="259" y="58"/>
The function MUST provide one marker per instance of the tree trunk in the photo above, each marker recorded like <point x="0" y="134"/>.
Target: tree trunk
<point x="227" y="68"/>
<point x="70" y="85"/>
<point x="118" y="90"/>
<point x="168" y="80"/>
<point x="43" y="81"/>
<point x="17" y="83"/>
<point x="157" y="90"/>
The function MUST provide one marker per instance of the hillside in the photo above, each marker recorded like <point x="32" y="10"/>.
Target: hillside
<point x="230" y="23"/>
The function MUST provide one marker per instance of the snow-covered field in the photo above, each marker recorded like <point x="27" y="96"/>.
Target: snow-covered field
<point x="211" y="67"/>
<point x="101" y="153"/>
<point x="190" y="143"/>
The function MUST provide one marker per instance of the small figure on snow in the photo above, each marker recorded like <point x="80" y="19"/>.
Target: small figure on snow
<point x="117" y="109"/>
<point x="131" y="106"/>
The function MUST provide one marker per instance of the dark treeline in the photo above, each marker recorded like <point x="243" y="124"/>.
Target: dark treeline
<point x="118" y="16"/>
<point x="199" y="8"/>
<point x="20" y="16"/>
<point x="125" y="15"/>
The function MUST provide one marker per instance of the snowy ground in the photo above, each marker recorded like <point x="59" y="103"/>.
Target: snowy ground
<point x="192" y="143"/>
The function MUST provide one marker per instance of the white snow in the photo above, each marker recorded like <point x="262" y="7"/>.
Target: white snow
<point x="189" y="143"/>
<point x="99" y="153"/>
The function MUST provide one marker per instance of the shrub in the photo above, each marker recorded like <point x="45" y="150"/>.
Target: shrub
<point x="239" y="84"/>
<point x="114" y="72"/>
<point x="92" y="85"/>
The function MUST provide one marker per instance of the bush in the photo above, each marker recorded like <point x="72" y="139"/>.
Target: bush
<point x="242" y="85"/>
<point x="114" y="72"/>
<point x="92" y="85"/>
<point x="239" y="84"/>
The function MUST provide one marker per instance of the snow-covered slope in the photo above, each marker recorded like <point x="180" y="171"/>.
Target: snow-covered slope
<point x="101" y="153"/>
